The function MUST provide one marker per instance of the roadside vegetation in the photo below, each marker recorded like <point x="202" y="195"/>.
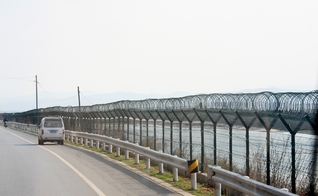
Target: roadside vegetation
<point x="183" y="183"/>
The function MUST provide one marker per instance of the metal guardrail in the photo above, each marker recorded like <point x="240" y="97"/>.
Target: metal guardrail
<point x="241" y="183"/>
<point x="167" y="159"/>
<point x="27" y="127"/>
<point x="162" y="158"/>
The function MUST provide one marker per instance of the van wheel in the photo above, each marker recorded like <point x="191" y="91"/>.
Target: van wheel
<point x="62" y="142"/>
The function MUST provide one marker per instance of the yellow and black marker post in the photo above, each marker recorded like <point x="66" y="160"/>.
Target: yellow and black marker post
<point x="193" y="167"/>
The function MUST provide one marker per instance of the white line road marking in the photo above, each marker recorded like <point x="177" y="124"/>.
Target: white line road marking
<point x="97" y="190"/>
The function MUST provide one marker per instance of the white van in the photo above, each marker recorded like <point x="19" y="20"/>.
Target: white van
<point x="51" y="129"/>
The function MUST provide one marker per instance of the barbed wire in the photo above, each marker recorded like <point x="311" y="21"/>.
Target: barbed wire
<point x="291" y="103"/>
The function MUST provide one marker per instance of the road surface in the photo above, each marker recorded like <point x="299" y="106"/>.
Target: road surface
<point x="27" y="168"/>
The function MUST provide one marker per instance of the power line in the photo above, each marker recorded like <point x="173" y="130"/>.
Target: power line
<point x="85" y="98"/>
<point x="54" y="96"/>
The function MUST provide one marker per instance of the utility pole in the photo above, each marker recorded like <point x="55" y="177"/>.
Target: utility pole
<point x="36" y="99"/>
<point x="79" y="98"/>
<point x="79" y="109"/>
<point x="36" y="94"/>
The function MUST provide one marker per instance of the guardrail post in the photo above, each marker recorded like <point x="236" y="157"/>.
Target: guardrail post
<point x="175" y="174"/>
<point x="127" y="154"/>
<point x="148" y="164"/>
<point x="92" y="143"/>
<point x="110" y="148"/>
<point x="76" y="140"/>
<point x="244" y="193"/>
<point x="193" y="167"/>
<point x="118" y="152"/>
<point x="161" y="171"/>
<point x="86" y="141"/>
<point x="137" y="158"/>
<point x="194" y="181"/>
<point x="104" y="146"/>
<point x="82" y="141"/>
<point x="71" y="138"/>
<point x="218" y="188"/>
<point x="137" y="155"/>
<point x="97" y="144"/>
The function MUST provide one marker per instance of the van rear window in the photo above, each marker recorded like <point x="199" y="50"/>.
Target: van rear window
<point x="53" y="123"/>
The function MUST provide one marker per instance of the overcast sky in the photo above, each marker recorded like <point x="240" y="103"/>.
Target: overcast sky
<point x="157" y="46"/>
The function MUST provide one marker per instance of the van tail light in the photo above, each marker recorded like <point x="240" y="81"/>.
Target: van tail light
<point x="42" y="131"/>
<point x="63" y="132"/>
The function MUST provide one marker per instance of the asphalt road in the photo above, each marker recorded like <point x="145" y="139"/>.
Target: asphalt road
<point x="27" y="168"/>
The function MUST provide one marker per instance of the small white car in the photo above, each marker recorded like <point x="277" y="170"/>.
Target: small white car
<point x="51" y="129"/>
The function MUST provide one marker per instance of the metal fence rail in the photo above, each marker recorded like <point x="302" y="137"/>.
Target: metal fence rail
<point x="242" y="183"/>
